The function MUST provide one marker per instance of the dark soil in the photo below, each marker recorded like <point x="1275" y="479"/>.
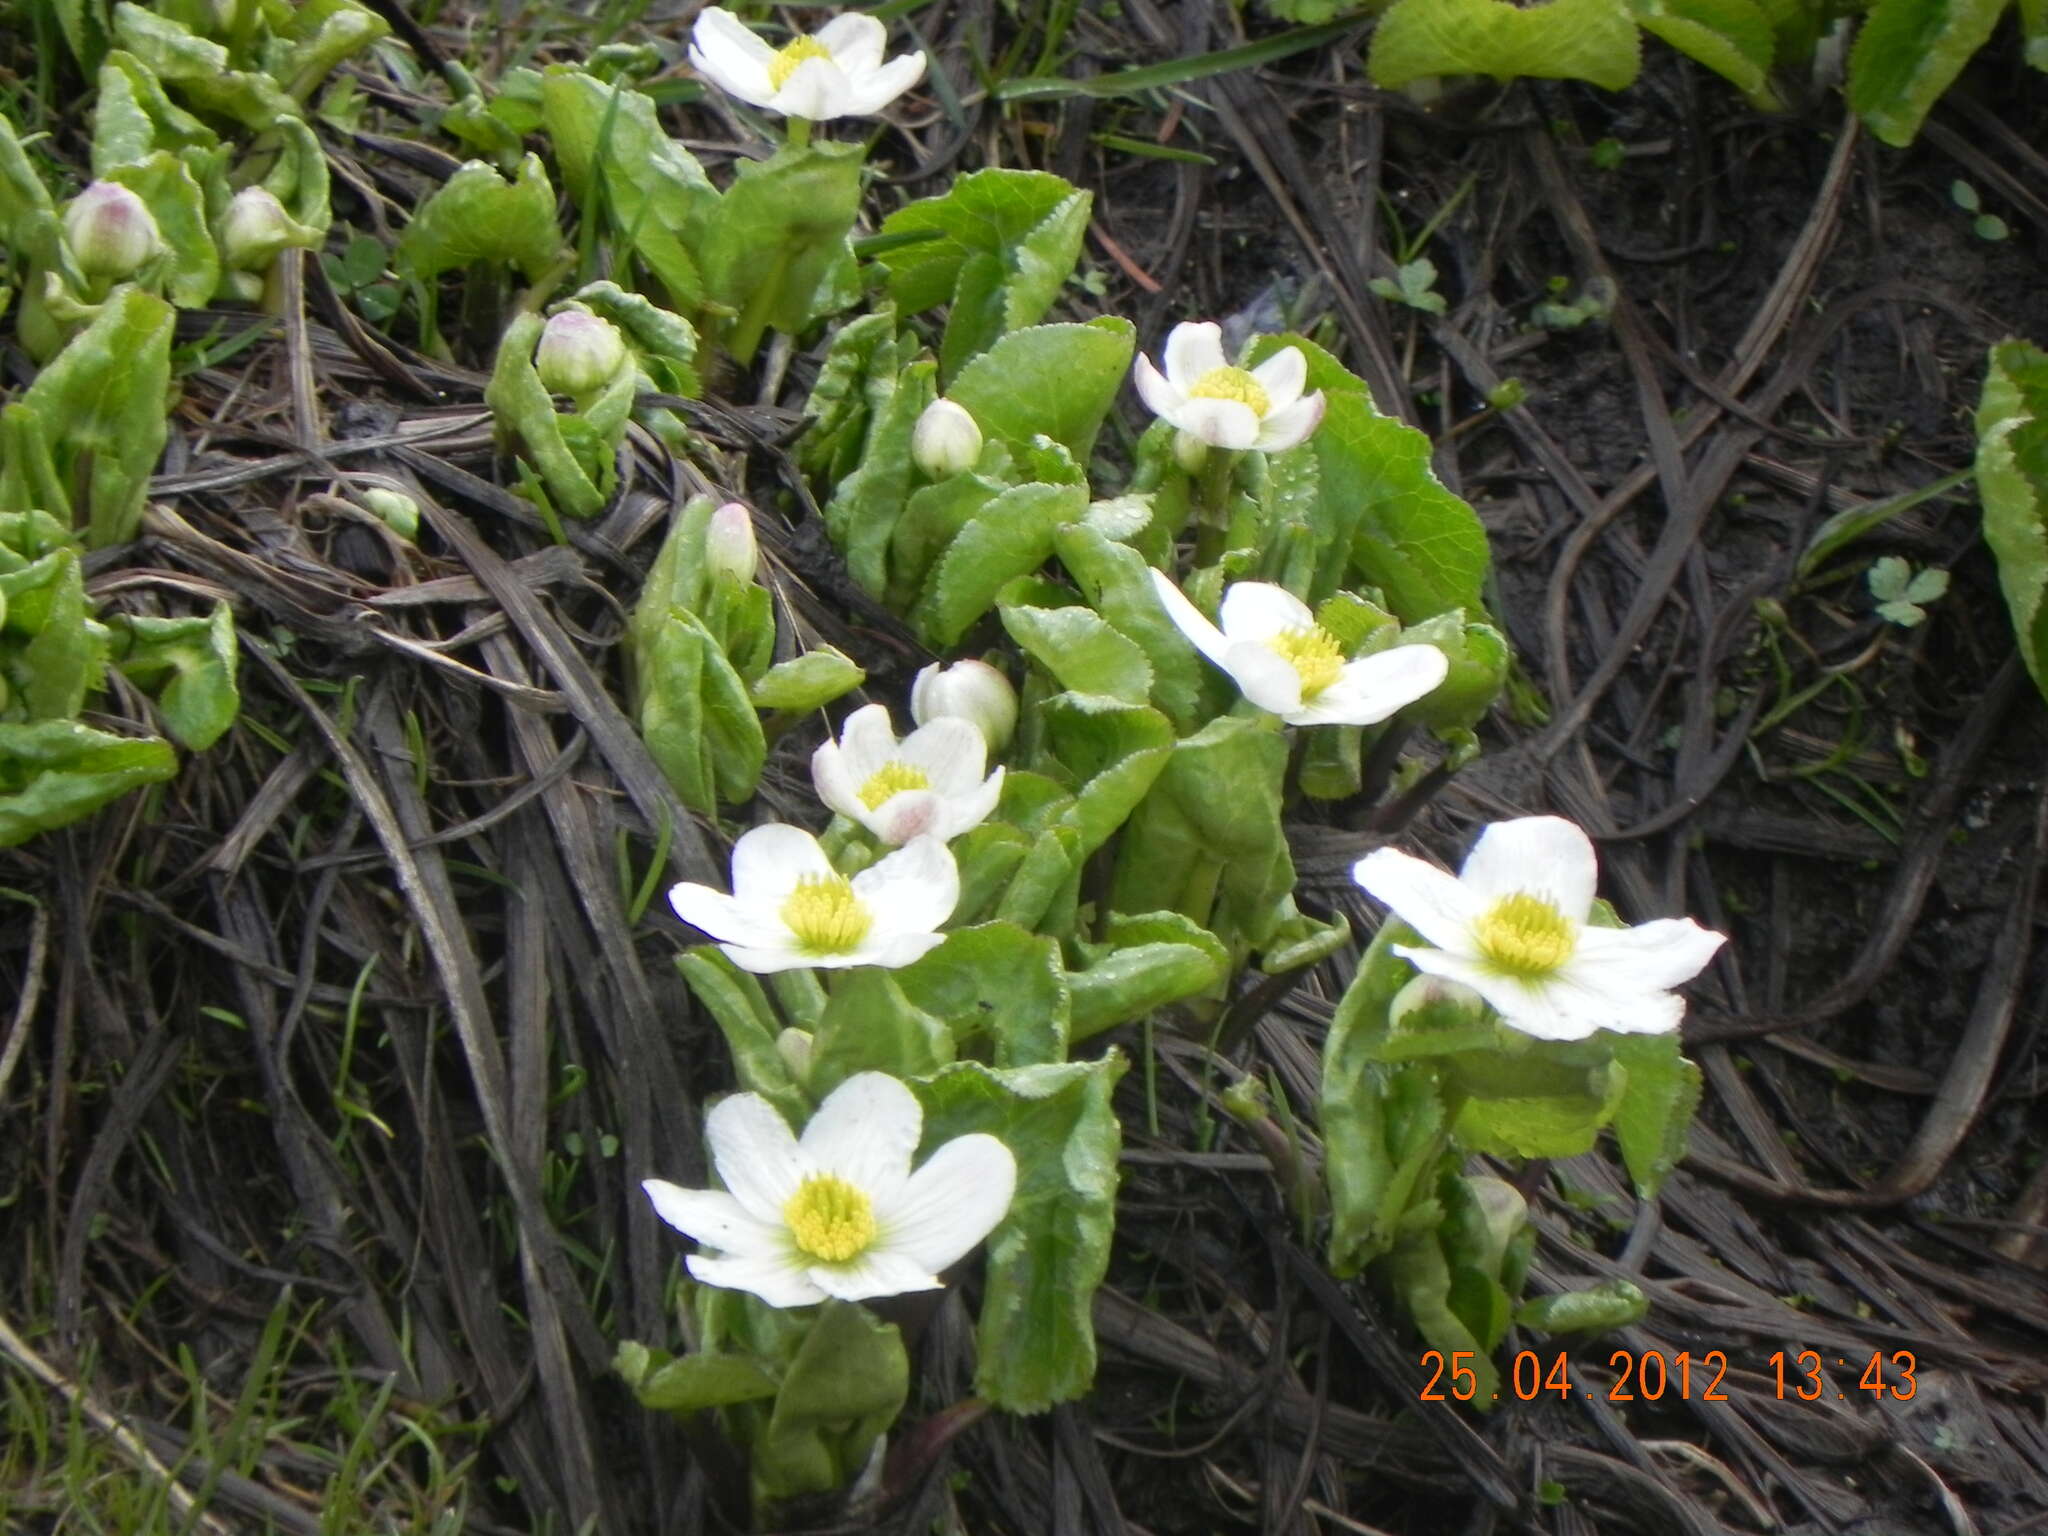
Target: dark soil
<point x="1800" y="324"/>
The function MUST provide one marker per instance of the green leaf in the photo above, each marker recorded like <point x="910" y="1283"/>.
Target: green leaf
<point x="781" y="231"/>
<point x="1559" y="40"/>
<point x="1733" y="38"/>
<point x="1658" y="1100"/>
<point x="477" y="215"/>
<point x="65" y="657"/>
<point x="871" y="1025"/>
<point x="134" y="117"/>
<point x="1426" y="1283"/>
<point x="1082" y="650"/>
<point x="200" y="69"/>
<point x="866" y="505"/>
<point x="101" y="406"/>
<point x="1059" y="380"/>
<point x="191" y="269"/>
<point x="2034" y="30"/>
<point x="931" y="519"/>
<point x="2012" y="481"/>
<point x="999" y="982"/>
<point x="740" y="1007"/>
<point x="695" y="716"/>
<point x="1610" y="1304"/>
<point x="1131" y="980"/>
<point x="1003" y="243"/>
<point x="1011" y="536"/>
<point x="847" y="1384"/>
<point x="1479" y="658"/>
<point x="839" y="407"/>
<point x="1036" y="1335"/>
<point x="1908" y="53"/>
<point x="1529" y="1104"/>
<point x="807" y="682"/>
<point x="1115" y="751"/>
<point x="695" y="1382"/>
<point x="52" y="772"/>
<point x="1113" y="577"/>
<point x="188" y="666"/>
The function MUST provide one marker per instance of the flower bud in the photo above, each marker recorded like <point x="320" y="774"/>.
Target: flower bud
<point x="1190" y="452"/>
<point x="253" y="230"/>
<point x="111" y="231"/>
<point x="973" y="690"/>
<point x="1502" y="1211"/>
<point x="729" y="548"/>
<point x="794" y="1047"/>
<point x="578" y="354"/>
<point x="946" y="441"/>
<point x="1435" y="1002"/>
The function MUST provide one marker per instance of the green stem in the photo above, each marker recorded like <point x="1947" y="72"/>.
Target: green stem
<point x="753" y="320"/>
<point x="799" y="133"/>
<point x="1212" y="505"/>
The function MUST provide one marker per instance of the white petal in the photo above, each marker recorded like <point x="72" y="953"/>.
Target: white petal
<point x="951" y="1203"/>
<point x="868" y="94"/>
<point x="835" y="784"/>
<point x="1544" y="1008"/>
<point x="925" y="690"/>
<point x="950" y="752"/>
<point x="779" y="1279"/>
<point x="891" y="950"/>
<point x="1193" y="348"/>
<point x="907" y="814"/>
<point x="1259" y="610"/>
<point x="716" y="27"/>
<point x="1650" y="957"/>
<point x="1160" y="397"/>
<point x="866" y="1132"/>
<point x="868" y="740"/>
<point x="911" y="891"/>
<point x="878" y="1272"/>
<point x="1373" y="687"/>
<point x="1265" y="677"/>
<point x="732" y="56"/>
<point x="1219" y="423"/>
<point x="816" y="89"/>
<point x="712" y="911"/>
<point x="855" y="40"/>
<point x="1287" y="427"/>
<point x="755" y="1154"/>
<point x="1282" y="376"/>
<point x="965" y="812"/>
<point x="1424" y="897"/>
<point x="1189" y="619"/>
<point x="768" y="861"/>
<point x="1545" y="856"/>
<point x="767" y="959"/>
<point x="713" y="1218"/>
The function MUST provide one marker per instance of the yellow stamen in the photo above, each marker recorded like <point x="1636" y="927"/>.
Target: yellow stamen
<point x="829" y="1219"/>
<point x="789" y="56"/>
<point x="892" y="778"/>
<point x="1232" y="384"/>
<point x="1526" y="936"/>
<point x="1314" y="654"/>
<point x="825" y="915"/>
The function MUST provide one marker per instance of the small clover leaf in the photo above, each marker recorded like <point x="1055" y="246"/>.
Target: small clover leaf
<point x="1901" y="592"/>
<point x="1413" y="284"/>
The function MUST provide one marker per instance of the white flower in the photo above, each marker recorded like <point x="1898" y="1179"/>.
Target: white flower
<point x="111" y="231"/>
<point x="946" y="440"/>
<point x="927" y="784"/>
<point x="1285" y="662"/>
<point x="1227" y="407"/>
<point x="972" y="690"/>
<point x="789" y="907"/>
<point x="835" y="72"/>
<point x="837" y="1212"/>
<point x="1512" y="926"/>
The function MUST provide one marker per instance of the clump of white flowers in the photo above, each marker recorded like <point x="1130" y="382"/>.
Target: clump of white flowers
<point x="837" y="71"/>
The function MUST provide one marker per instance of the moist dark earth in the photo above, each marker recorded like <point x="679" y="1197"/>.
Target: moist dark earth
<point x="1798" y="326"/>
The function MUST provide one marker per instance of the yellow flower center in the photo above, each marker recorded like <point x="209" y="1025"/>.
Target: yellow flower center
<point x="825" y="915"/>
<point x="1526" y="936"/>
<point x="829" y="1219"/>
<point x="790" y="55"/>
<point x="891" y="779"/>
<point x="1232" y="384"/>
<point x="1314" y="654"/>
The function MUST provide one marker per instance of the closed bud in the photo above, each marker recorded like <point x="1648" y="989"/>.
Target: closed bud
<point x="1190" y="452"/>
<point x="794" y="1047"/>
<point x="947" y="440"/>
<point x="972" y="690"/>
<point x="111" y="231"/>
<point x="578" y="354"/>
<point x="729" y="548"/>
<point x="253" y="230"/>
<point x="1435" y="1002"/>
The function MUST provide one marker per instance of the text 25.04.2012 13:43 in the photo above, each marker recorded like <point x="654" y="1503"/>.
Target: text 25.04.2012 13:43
<point x="1651" y="1375"/>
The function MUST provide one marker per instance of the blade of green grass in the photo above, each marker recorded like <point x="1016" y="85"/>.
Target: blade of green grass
<point x="1150" y="77"/>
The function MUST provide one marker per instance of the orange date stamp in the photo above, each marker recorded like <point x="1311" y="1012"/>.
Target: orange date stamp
<point x="1652" y="1375"/>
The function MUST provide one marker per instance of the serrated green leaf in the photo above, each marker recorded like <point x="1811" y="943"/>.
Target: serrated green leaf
<point x="1598" y="1308"/>
<point x="809" y="681"/>
<point x="477" y="215"/>
<point x="1059" y="380"/>
<point x="1011" y="536"/>
<point x="1559" y="40"/>
<point x="871" y="1025"/>
<point x="1133" y="980"/>
<point x="1529" y="1104"/>
<point x="866" y="505"/>
<point x="1731" y="37"/>
<point x="189" y="667"/>
<point x="1908" y="53"/>
<point x="2012" y="482"/>
<point x="1657" y="1105"/>
<point x="1113" y="577"/>
<point x="52" y="772"/>
<point x="780" y="233"/>
<point x="838" y="408"/>
<point x="847" y="1384"/>
<point x="1080" y="648"/>
<point x="999" y="982"/>
<point x="1036" y="1334"/>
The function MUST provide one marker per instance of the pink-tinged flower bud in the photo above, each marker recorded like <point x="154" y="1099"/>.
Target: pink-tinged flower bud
<point x="729" y="547"/>
<point x="578" y="354"/>
<point x="1440" y="1002"/>
<point x="974" y="691"/>
<point x="253" y="230"/>
<point x="111" y="231"/>
<point x="946" y="440"/>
